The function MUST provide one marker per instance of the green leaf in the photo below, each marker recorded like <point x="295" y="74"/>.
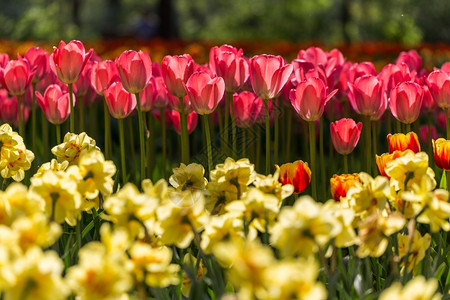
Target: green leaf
<point x="440" y="271"/>
<point x="443" y="184"/>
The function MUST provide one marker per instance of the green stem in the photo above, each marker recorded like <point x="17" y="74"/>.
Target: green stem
<point x="407" y="128"/>
<point x="44" y="137"/>
<point x="33" y="121"/>
<point x="266" y="106"/>
<point x="107" y="119"/>
<point x="208" y="141"/>
<point x="58" y="134"/>
<point x="72" y="112"/>
<point x="122" y="151"/>
<point x="81" y="114"/>
<point x="141" y="136"/>
<point x="374" y="143"/>
<point x="288" y="135"/>
<point x="322" y="161"/>
<point x="258" y="147"/>
<point x="276" y="131"/>
<point x="244" y="146"/>
<point x="398" y="126"/>
<point x="129" y="124"/>
<point x="78" y="233"/>
<point x="233" y="124"/>
<point x="164" y="154"/>
<point x="389" y="121"/>
<point x="345" y="163"/>
<point x="346" y="109"/>
<point x="19" y="114"/>
<point x="430" y="143"/>
<point x="225" y="127"/>
<point x="366" y="126"/>
<point x="448" y="179"/>
<point x="448" y="123"/>
<point x="312" y="152"/>
<point x="184" y="134"/>
<point x="148" y="143"/>
<point x="5" y="181"/>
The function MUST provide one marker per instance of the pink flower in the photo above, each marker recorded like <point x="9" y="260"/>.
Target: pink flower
<point x="120" y="102"/>
<point x="352" y="71"/>
<point x="68" y="60"/>
<point x="135" y="70"/>
<point x="345" y="135"/>
<point x="365" y="95"/>
<point x="8" y="111"/>
<point x="176" y="70"/>
<point x="162" y="95"/>
<point x="205" y="92"/>
<point x="38" y="59"/>
<point x="309" y="98"/>
<point x="16" y="76"/>
<point x="412" y="59"/>
<point x="391" y="75"/>
<point x="268" y="75"/>
<point x="229" y="63"/>
<point x="423" y="133"/>
<point x="405" y="101"/>
<point x="55" y="104"/>
<point x="247" y="107"/>
<point x="103" y="74"/>
<point x="4" y="59"/>
<point x="439" y="84"/>
<point x="82" y="86"/>
<point x="174" y="116"/>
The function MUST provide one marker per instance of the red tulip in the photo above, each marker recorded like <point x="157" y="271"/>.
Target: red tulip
<point x="68" y="60"/>
<point x="405" y="101"/>
<point x="412" y="59"/>
<point x="120" y="102"/>
<point x="229" y="63"/>
<point x="135" y="70"/>
<point x="365" y="95"/>
<point x="340" y="184"/>
<point x="345" y="135"/>
<point x="55" y="104"/>
<point x="162" y="95"/>
<point x="268" y="75"/>
<point x="176" y="70"/>
<point x="428" y="103"/>
<point x="174" y="116"/>
<point x="38" y="59"/>
<point x="103" y="74"/>
<point x="439" y="84"/>
<point x="441" y="148"/>
<point x="4" y="59"/>
<point x="205" y="92"/>
<point x="247" y="108"/>
<point x="297" y="173"/>
<point x="82" y="86"/>
<point x="402" y="142"/>
<point x="352" y="71"/>
<point x="8" y="111"/>
<point x="391" y="75"/>
<point x="309" y="98"/>
<point x="385" y="158"/>
<point x="16" y="76"/>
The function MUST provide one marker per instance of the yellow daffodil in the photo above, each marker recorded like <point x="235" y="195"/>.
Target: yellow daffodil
<point x="345" y="216"/>
<point x="188" y="177"/>
<point x="191" y="262"/>
<point x="417" y="289"/>
<point x="416" y="244"/>
<point x="72" y="147"/>
<point x="15" y="162"/>
<point x="53" y="165"/>
<point x="221" y="228"/>
<point x="270" y="184"/>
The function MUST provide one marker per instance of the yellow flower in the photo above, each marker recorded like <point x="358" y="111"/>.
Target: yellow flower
<point x="37" y="276"/>
<point x="8" y="138"/>
<point x="72" y="147"/>
<point x="15" y="202"/>
<point x="15" y="162"/>
<point x="99" y="275"/>
<point x="417" y="288"/>
<point x="116" y="241"/>
<point x="53" y="165"/>
<point x="374" y="230"/>
<point x="419" y="245"/>
<point x="345" y="216"/>
<point x="270" y="184"/>
<point x="292" y="279"/>
<point x="302" y="228"/>
<point x="97" y="174"/>
<point x="221" y="228"/>
<point x="59" y="194"/>
<point x="153" y="266"/>
<point x="179" y="216"/>
<point x="159" y="190"/>
<point x="190" y="261"/>
<point x="188" y="177"/>
<point x="9" y="252"/>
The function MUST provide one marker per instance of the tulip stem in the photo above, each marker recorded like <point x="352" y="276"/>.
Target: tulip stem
<point x="322" y="160"/>
<point x="448" y="179"/>
<point x="208" y="141"/>
<point x="72" y="112"/>
<point x="258" y="147"/>
<point x="244" y="146"/>
<point x="345" y="163"/>
<point x="149" y="140"/>
<point x="229" y="95"/>
<point x="164" y="154"/>
<point x="430" y="143"/>
<point x="312" y="152"/>
<point x="44" y="137"/>
<point x="184" y="134"/>
<point x="225" y="127"/>
<point x="374" y="137"/>
<point x="407" y="128"/>
<point x="367" y="145"/>
<point x="58" y="134"/>
<point x="122" y="151"/>
<point x="266" y="106"/>
<point x="19" y="113"/>
<point x="81" y="114"/>
<point x="448" y="123"/>
<point x="141" y="136"/>
<point x="288" y="135"/>
<point x="275" y="129"/>
<point x="33" y="121"/>
<point x="389" y="121"/>
<point x="107" y="118"/>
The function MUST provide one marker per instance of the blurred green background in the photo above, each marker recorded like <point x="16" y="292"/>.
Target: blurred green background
<point x="409" y="22"/>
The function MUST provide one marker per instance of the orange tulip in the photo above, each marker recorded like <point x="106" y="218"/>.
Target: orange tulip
<point x="441" y="149"/>
<point x="340" y="184"/>
<point x="384" y="159"/>
<point x="297" y="173"/>
<point x="402" y="142"/>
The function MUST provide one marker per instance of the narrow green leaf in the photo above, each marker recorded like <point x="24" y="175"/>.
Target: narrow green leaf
<point x="443" y="184"/>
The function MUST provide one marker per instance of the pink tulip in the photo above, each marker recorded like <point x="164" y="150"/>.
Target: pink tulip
<point x="156" y="70"/>
<point x="268" y="75"/>
<point x="246" y="108"/>
<point x="16" y="76"/>
<point x="309" y="98"/>
<point x="176" y="70"/>
<point x="314" y="55"/>
<point x="439" y="84"/>
<point x="229" y="63"/>
<point x="412" y="59"/>
<point x="82" y="86"/>
<point x="428" y="103"/>
<point x="405" y="101"/>
<point x="8" y="111"/>
<point x="423" y="133"/>
<point x="205" y="92"/>
<point x="135" y="70"/>
<point x="445" y="67"/>
<point x="365" y="95"/>
<point x="345" y="135"/>
<point x="441" y="120"/>
<point x="38" y="59"/>
<point x="4" y="59"/>
<point x="120" y="102"/>
<point x="352" y="71"/>
<point x="55" y="104"/>
<point x="155" y="94"/>
<point x="391" y="75"/>
<point x="174" y="116"/>
<point x="103" y="74"/>
<point x="68" y="60"/>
